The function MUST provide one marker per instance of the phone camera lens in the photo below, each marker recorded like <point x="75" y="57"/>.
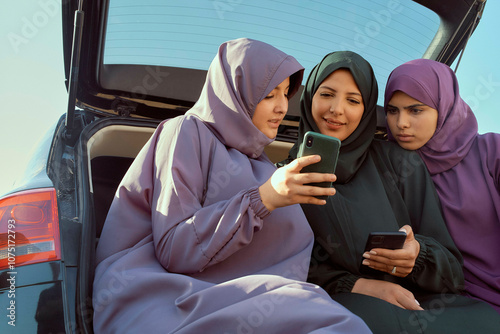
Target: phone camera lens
<point x="309" y="141"/>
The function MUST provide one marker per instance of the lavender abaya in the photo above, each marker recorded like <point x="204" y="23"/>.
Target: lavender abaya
<point x="465" y="168"/>
<point x="188" y="246"/>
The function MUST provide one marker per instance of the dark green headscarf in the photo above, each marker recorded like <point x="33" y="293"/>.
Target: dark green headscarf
<point x="355" y="147"/>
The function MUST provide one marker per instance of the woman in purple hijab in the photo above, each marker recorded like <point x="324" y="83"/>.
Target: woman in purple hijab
<point x="426" y="113"/>
<point x="202" y="236"/>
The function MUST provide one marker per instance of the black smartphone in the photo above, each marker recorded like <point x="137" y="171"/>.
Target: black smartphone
<point x="327" y="147"/>
<point x="388" y="240"/>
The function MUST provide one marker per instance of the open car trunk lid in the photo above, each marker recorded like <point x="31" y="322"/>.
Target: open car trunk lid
<point x="151" y="60"/>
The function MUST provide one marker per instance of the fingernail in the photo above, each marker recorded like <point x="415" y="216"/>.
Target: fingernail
<point x="373" y="252"/>
<point x="416" y="301"/>
<point x="366" y="262"/>
<point x="367" y="255"/>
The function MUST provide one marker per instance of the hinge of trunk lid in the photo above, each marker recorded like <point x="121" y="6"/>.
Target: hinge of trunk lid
<point x="124" y="107"/>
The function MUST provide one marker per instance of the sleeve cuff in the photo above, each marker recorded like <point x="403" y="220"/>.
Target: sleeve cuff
<point x="422" y="256"/>
<point x="256" y="203"/>
<point x="346" y="284"/>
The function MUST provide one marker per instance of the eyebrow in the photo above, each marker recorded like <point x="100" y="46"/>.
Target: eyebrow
<point x="408" y="107"/>
<point x="334" y="90"/>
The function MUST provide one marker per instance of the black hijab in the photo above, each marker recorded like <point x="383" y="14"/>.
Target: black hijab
<point x="355" y="147"/>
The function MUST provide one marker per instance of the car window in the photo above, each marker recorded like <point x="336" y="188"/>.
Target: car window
<point x="186" y="34"/>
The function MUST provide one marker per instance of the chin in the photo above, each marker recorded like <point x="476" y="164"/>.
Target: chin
<point x="271" y="135"/>
<point x="409" y="147"/>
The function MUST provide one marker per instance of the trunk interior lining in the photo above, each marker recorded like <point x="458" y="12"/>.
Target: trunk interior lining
<point x="112" y="150"/>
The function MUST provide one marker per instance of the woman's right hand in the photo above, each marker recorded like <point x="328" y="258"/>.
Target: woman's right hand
<point x="390" y="292"/>
<point x="287" y="185"/>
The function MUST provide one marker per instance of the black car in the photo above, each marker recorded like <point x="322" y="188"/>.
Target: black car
<point x="129" y="65"/>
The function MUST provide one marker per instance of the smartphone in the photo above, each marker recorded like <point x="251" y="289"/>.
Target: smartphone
<point x="388" y="240"/>
<point x="327" y="147"/>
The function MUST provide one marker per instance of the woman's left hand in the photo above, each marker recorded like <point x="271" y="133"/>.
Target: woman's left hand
<point x="397" y="262"/>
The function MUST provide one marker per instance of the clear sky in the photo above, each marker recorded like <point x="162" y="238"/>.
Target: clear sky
<point x="33" y="95"/>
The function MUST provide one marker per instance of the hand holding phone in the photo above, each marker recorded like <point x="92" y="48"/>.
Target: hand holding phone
<point x="387" y="240"/>
<point x="287" y="186"/>
<point x="325" y="146"/>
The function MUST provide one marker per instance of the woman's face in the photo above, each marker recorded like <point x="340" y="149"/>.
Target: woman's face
<point x="272" y="109"/>
<point x="411" y="122"/>
<point x="337" y="105"/>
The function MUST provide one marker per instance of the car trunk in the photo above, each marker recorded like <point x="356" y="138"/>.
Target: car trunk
<point x="109" y="148"/>
<point x="124" y="102"/>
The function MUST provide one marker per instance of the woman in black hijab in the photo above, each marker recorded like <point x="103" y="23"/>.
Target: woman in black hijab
<point x="380" y="188"/>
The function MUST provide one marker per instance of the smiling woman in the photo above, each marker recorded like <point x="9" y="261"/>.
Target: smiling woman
<point x="337" y="105"/>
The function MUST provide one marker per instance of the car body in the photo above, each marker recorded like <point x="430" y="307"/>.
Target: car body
<point x="128" y="67"/>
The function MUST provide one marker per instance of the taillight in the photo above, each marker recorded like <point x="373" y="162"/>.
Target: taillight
<point x="29" y="228"/>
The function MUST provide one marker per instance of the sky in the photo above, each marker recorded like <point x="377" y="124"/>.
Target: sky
<point x="33" y="95"/>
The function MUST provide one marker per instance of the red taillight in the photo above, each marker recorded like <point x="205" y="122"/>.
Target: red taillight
<point x="29" y="228"/>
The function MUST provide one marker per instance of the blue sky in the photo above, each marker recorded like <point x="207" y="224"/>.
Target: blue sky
<point x="33" y="95"/>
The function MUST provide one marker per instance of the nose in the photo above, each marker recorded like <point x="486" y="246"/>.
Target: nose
<point x="281" y="104"/>
<point x="403" y="121"/>
<point x="336" y="107"/>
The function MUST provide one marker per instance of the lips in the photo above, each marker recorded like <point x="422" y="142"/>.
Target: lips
<point x="333" y="124"/>
<point x="404" y="137"/>
<point x="275" y="122"/>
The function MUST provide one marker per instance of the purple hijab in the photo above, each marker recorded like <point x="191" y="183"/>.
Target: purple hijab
<point x="188" y="246"/>
<point x="465" y="168"/>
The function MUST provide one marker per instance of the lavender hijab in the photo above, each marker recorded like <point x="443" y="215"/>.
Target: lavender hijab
<point x="465" y="168"/>
<point x="188" y="246"/>
<point x="235" y="84"/>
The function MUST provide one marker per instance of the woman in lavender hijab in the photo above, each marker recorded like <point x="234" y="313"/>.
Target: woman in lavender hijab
<point x="426" y="113"/>
<point x="204" y="234"/>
